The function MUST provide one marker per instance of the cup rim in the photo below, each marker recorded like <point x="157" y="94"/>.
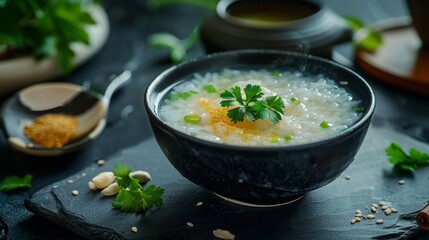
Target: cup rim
<point x="223" y="6"/>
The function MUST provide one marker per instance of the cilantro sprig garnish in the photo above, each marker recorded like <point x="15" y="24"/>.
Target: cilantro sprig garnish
<point x="252" y="107"/>
<point x="402" y="160"/>
<point x="132" y="197"/>
<point x="14" y="182"/>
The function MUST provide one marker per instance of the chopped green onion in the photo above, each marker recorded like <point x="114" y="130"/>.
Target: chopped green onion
<point x="174" y="96"/>
<point x="277" y="74"/>
<point x="295" y="101"/>
<point x="274" y="139"/>
<point x="359" y="109"/>
<point x="325" y="124"/>
<point x="192" y="119"/>
<point x="209" y="88"/>
<point x="185" y="95"/>
<point x="287" y="137"/>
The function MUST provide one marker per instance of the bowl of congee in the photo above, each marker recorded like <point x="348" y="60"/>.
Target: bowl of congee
<point x="259" y="127"/>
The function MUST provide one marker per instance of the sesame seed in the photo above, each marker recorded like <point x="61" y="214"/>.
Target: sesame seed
<point x="393" y="210"/>
<point x="348" y="177"/>
<point x="379" y="221"/>
<point x="344" y="82"/>
<point x="382" y="203"/>
<point x="374" y="205"/>
<point x="384" y="207"/>
<point x="370" y="216"/>
<point x="358" y="215"/>
<point x="358" y="219"/>
<point x="190" y="224"/>
<point x="134" y="229"/>
<point x="373" y="209"/>
<point x="75" y="192"/>
<point x="198" y="204"/>
<point x="353" y="221"/>
<point x="358" y="211"/>
<point x="388" y="211"/>
<point x="101" y="162"/>
<point x="401" y="182"/>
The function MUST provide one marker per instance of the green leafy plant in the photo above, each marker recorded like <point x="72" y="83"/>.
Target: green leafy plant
<point x="13" y="182"/>
<point x="402" y="160"/>
<point x="45" y="28"/>
<point x="365" y="38"/>
<point x="175" y="46"/>
<point x="251" y="108"/>
<point x="132" y="197"/>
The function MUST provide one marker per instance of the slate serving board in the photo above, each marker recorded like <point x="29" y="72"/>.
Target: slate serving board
<point x="322" y="214"/>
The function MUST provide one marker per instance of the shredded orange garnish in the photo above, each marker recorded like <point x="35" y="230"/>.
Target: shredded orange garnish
<point x="221" y="124"/>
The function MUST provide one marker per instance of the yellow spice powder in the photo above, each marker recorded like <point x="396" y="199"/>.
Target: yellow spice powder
<point x="52" y="130"/>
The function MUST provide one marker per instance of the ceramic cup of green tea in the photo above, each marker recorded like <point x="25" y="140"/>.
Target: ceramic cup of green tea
<point x="419" y="13"/>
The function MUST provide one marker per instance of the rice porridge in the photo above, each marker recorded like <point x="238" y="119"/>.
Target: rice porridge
<point x="315" y="108"/>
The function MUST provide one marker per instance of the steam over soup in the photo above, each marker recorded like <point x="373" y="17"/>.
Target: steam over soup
<point x="315" y="108"/>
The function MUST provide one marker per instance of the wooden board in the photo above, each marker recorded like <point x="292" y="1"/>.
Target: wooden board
<point x="401" y="61"/>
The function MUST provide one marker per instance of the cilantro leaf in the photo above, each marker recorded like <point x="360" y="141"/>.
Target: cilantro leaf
<point x="132" y="197"/>
<point x="14" y="182"/>
<point x="46" y="28"/>
<point x="399" y="158"/>
<point x="251" y="108"/>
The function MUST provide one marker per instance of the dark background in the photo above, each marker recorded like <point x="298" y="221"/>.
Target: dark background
<point x="131" y="23"/>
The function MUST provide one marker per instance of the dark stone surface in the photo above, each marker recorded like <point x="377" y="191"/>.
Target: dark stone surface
<point x="321" y="214"/>
<point x="131" y="24"/>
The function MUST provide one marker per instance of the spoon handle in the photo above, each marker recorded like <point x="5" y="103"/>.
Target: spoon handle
<point x="117" y="83"/>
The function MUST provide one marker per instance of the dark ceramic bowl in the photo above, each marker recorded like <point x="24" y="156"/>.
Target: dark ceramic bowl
<point x="293" y="25"/>
<point x="259" y="175"/>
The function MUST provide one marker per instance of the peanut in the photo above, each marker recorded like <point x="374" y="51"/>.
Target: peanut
<point x="103" y="179"/>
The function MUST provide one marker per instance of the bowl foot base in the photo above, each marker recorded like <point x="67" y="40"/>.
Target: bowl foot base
<point x="261" y="205"/>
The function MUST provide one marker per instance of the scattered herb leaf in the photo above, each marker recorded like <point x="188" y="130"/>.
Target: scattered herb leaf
<point x="402" y="160"/>
<point x="251" y="108"/>
<point x="14" y="182"/>
<point x="132" y="197"/>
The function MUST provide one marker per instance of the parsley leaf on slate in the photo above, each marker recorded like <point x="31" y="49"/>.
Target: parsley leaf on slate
<point x="14" y="182"/>
<point x="400" y="159"/>
<point x="132" y="197"/>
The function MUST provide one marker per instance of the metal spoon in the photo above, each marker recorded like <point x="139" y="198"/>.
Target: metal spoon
<point x="88" y="107"/>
